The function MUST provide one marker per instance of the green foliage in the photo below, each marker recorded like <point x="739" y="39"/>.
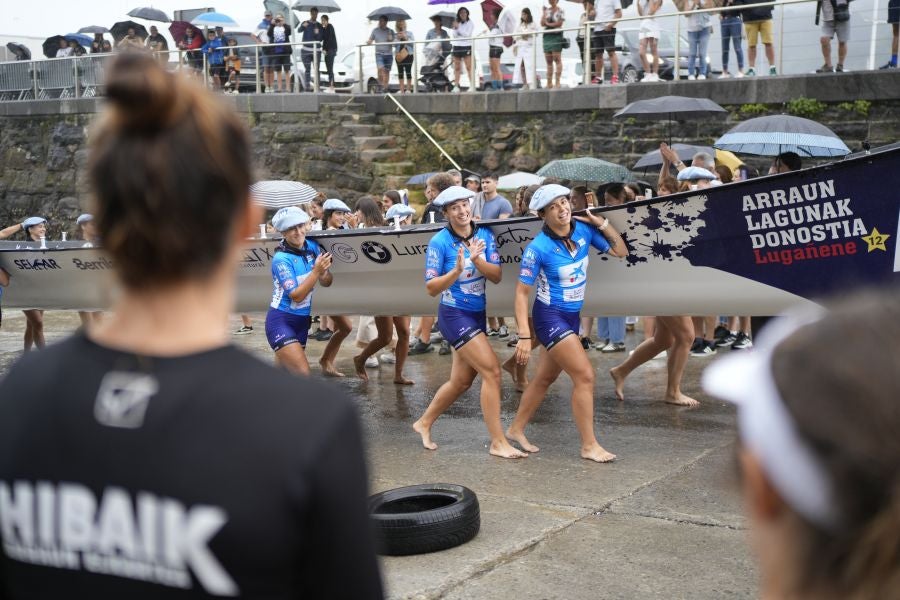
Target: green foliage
<point x="809" y="108"/>
<point x="752" y="110"/>
<point x="861" y="107"/>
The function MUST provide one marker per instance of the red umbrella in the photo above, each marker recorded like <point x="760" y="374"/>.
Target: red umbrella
<point x="487" y="11"/>
<point x="178" y="29"/>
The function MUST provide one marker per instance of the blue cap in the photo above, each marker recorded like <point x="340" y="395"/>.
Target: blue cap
<point x="32" y="221"/>
<point x="452" y="194"/>
<point x="546" y="194"/>
<point x="335" y="204"/>
<point x="692" y="173"/>
<point x="82" y="219"/>
<point x="399" y="210"/>
<point x="289" y="216"/>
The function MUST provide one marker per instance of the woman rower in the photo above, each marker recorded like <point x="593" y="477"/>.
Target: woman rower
<point x="298" y="265"/>
<point x="383" y="324"/>
<point x="460" y="257"/>
<point x="557" y="260"/>
<point x="336" y="215"/>
<point x="34" y="228"/>
<point x="87" y="229"/>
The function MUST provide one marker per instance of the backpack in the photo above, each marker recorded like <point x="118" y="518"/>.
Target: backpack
<point x="841" y="10"/>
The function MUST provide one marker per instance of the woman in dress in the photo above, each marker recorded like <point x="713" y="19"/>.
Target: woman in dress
<point x="460" y="258"/>
<point x="557" y="261"/>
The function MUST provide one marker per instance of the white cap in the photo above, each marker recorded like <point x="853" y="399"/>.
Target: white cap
<point x="84" y="218"/>
<point x="766" y="426"/>
<point x="399" y="210"/>
<point x="691" y="173"/>
<point x="289" y="216"/>
<point x="335" y="204"/>
<point x="32" y="221"/>
<point x="452" y="194"/>
<point x="546" y="194"/>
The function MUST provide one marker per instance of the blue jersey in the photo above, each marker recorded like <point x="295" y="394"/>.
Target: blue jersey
<point x="290" y="268"/>
<point x="467" y="292"/>
<point x="561" y="276"/>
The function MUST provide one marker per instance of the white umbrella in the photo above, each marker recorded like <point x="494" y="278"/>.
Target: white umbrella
<point x="278" y="194"/>
<point x="517" y="179"/>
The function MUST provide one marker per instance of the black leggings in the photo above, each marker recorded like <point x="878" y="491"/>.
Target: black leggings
<point x="329" y="66"/>
<point x="405" y="67"/>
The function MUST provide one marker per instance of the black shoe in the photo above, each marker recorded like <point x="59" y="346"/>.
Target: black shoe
<point x="322" y="335"/>
<point x="825" y="69"/>
<point x="586" y="343"/>
<point x="720" y="332"/>
<point x="742" y="342"/>
<point x="697" y="345"/>
<point x="839" y="68"/>
<point x="445" y="348"/>
<point x="420" y="347"/>
<point x="706" y="349"/>
<point x="888" y="65"/>
<point x="726" y="341"/>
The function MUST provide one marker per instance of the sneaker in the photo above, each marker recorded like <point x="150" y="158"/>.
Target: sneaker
<point x="387" y="358"/>
<point x="613" y="347"/>
<point x="725" y="75"/>
<point x="322" y="335"/>
<point x="739" y="75"/>
<point x="707" y="349"/>
<point x="697" y="345"/>
<point x="512" y="341"/>
<point x="825" y="69"/>
<point x="720" y="332"/>
<point x="371" y="363"/>
<point x="597" y="81"/>
<point x="773" y="71"/>
<point x="420" y="347"/>
<point x="888" y="65"/>
<point x="701" y="77"/>
<point x="839" y="68"/>
<point x="445" y="348"/>
<point x="742" y="342"/>
<point x="726" y="340"/>
<point x="691" y="78"/>
<point x="504" y="332"/>
<point x="751" y="72"/>
<point x="244" y="330"/>
<point x="492" y="332"/>
<point x="586" y="343"/>
<point x="614" y="79"/>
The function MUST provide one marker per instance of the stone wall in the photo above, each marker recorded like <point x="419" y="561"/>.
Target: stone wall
<point x="346" y="150"/>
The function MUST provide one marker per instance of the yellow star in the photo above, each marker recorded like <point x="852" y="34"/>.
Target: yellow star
<point x="876" y="240"/>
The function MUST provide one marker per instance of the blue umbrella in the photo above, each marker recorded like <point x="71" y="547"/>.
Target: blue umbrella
<point x="420" y="179"/>
<point x="84" y="40"/>
<point x="774" y="134"/>
<point x="214" y="19"/>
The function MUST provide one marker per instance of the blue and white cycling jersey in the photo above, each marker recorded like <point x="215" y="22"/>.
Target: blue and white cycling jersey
<point x="467" y="292"/>
<point x="561" y="276"/>
<point x="290" y="267"/>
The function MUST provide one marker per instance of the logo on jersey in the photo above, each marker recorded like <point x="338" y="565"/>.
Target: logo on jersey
<point x="376" y="252"/>
<point x="574" y="274"/>
<point x="123" y="398"/>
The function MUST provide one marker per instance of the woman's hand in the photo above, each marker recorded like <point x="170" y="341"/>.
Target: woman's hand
<point x="322" y="264"/>
<point x="476" y="248"/>
<point x="590" y="219"/>
<point x="460" y="260"/>
<point x="523" y="351"/>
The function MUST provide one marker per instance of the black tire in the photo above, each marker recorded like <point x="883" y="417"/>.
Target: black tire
<point x="424" y="518"/>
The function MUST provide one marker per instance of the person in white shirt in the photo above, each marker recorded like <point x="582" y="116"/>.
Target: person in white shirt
<point x="604" y="38"/>
<point x="462" y="48"/>
<point x="649" y="38"/>
<point x="64" y="49"/>
<point x="524" y="49"/>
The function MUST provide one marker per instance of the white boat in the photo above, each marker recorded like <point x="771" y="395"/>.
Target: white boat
<point x="755" y="247"/>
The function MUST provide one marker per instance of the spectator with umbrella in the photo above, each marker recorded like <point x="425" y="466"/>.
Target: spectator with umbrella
<point x="312" y="35"/>
<point x="157" y="44"/>
<point x="384" y="54"/>
<point x="97" y="44"/>
<point x="64" y="49"/>
<point x="131" y="40"/>
<point x="20" y="51"/>
<point x="190" y="42"/>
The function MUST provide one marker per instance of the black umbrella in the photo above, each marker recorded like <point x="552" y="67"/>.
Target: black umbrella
<point x="446" y="17"/>
<point x="685" y="153"/>
<point x="120" y="30"/>
<point x="672" y="108"/>
<point x="21" y="52"/>
<point x="391" y="13"/>
<point x="149" y="14"/>
<point x="51" y="45"/>
<point x="93" y="29"/>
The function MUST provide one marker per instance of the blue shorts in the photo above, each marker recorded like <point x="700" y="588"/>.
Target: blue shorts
<point x="459" y="326"/>
<point x="384" y="61"/>
<point x="552" y="325"/>
<point x="283" y="328"/>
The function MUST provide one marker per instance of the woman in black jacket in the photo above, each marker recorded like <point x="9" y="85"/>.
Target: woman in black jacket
<point x="330" y="47"/>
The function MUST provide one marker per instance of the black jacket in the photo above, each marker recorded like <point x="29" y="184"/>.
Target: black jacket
<point x="329" y="43"/>
<point x="761" y="13"/>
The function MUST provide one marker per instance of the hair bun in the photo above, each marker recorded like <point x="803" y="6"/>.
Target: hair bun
<point x="143" y="94"/>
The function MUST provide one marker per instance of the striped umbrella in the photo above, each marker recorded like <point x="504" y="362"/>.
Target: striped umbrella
<point x="586" y="169"/>
<point x="774" y="134"/>
<point x="278" y="194"/>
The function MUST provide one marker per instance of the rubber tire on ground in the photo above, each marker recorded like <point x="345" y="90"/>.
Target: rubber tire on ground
<point x="629" y="75"/>
<point x="424" y="518"/>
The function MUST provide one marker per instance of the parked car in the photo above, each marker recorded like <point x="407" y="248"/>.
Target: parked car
<point x="248" y="60"/>
<point x="344" y="72"/>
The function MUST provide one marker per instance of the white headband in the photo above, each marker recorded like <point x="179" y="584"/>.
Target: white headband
<point x="767" y="428"/>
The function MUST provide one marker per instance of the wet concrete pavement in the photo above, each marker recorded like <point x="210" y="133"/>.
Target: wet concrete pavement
<point x="662" y="521"/>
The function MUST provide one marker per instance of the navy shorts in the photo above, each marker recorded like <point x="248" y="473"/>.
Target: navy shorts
<point x="894" y="11"/>
<point x="459" y="326"/>
<point x="461" y="51"/>
<point x="552" y="325"/>
<point x="283" y="329"/>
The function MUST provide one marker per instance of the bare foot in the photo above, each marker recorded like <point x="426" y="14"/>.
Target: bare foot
<point x="619" y="382"/>
<point x="596" y="453"/>
<point x="360" y="364"/>
<point x="425" y="432"/>
<point x="510" y="367"/>
<point x="328" y="369"/>
<point x="401" y="380"/>
<point x="519" y="438"/>
<point x="682" y="400"/>
<point x="505" y="450"/>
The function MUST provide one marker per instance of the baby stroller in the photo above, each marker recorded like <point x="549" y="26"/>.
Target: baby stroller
<point x="433" y="76"/>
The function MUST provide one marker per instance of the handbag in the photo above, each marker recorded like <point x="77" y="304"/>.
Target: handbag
<point x="566" y="42"/>
<point x="402" y="54"/>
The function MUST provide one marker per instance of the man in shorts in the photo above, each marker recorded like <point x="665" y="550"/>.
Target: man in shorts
<point x="265" y="63"/>
<point x="894" y="20"/>
<point x="758" y="24"/>
<point x="384" y="54"/>
<point x="604" y="37"/>
<point x="835" y="20"/>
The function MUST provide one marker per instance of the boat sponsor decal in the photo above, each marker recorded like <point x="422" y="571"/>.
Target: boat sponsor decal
<point x="376" y="252"/>
<point x="344" y="253"/>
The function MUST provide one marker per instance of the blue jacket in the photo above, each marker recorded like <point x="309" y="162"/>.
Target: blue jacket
<point x="212" y="48"/>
